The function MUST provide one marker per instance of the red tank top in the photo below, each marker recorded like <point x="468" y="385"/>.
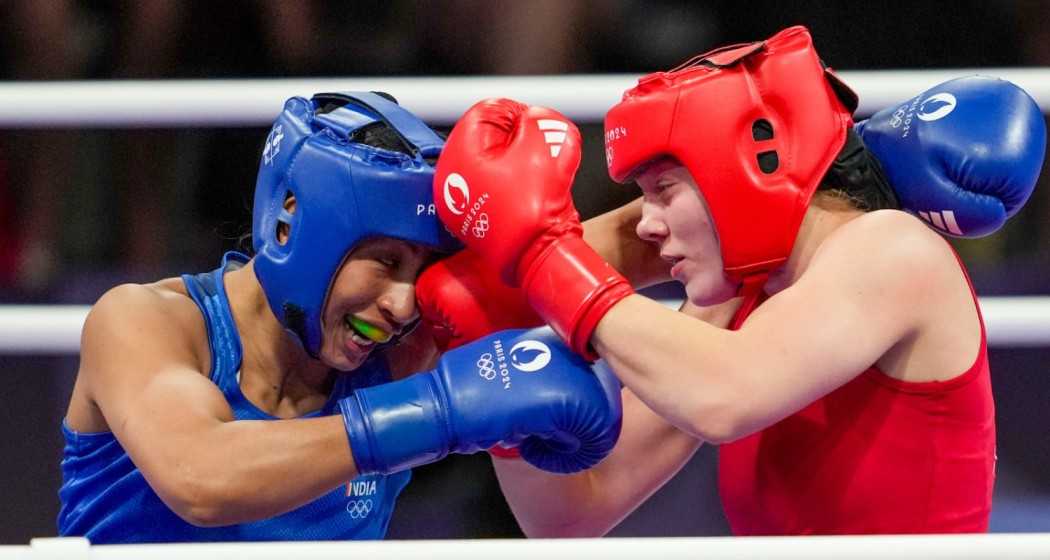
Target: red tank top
<point x="877" y="455"/>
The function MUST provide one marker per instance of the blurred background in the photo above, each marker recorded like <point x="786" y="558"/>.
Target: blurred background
<point x="83" y="210"/>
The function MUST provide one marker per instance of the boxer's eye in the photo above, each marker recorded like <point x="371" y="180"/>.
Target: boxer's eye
<point x="389" y="261"/>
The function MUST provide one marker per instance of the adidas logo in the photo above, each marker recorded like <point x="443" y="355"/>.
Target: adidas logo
<point x="943" y="221"/>
<point x="553" y="134"/>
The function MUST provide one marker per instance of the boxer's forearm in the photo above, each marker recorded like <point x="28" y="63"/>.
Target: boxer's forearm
<point x="687" y="371"/>
<point x="238" y="471"/>
<point x="649" y="452"/>
<point x="552" y="506"/>
<point x="613" y="236"/>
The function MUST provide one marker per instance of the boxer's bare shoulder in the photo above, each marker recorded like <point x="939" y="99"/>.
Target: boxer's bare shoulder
<point x="901" y="245"/>
<point x="133" y="330"/>
<point x="161" y="311"/>
<point x="898" y="253"/>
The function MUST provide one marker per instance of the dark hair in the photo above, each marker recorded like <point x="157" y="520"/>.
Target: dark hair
<point x="378" y="134"/>
<point x="381" y="135"/>
<point x="857" y="177"/>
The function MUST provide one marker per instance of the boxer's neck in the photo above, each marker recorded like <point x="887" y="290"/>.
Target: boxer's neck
<point x="277" y="374"/>
<point x="817" y="225"/>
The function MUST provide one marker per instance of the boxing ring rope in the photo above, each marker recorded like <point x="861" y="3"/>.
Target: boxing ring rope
<point x="927" y="547"/>
<point x="439" y="100"/>
<point x="1015" y="321"/>
<point x="55" y="329"/>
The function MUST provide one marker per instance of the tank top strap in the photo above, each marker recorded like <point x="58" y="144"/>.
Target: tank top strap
<point x="209" y="293"/>
<point x="973" y="294"/>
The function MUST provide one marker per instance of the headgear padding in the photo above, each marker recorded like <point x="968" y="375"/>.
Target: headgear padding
<point x="344" y="190"/>
<point x="757" y="126"/>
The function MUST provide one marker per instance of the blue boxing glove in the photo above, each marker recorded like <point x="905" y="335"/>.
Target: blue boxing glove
<point x="964" y="155"/>
<point x="513" y="387"/>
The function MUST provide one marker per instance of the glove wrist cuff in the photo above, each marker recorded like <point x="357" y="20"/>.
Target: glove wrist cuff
<point x="396" y="426"/>
<point x="572" y="288"/>
<point x="358" y="435"/>
<point x="505" y="452"/>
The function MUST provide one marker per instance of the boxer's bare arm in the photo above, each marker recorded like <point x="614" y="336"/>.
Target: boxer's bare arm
<point x="139" y="368"/>
<point x="613" y="236"/>
<point x="875" y="283"/>
<point x="719" y="315"/>
<point x="649" y="452"/>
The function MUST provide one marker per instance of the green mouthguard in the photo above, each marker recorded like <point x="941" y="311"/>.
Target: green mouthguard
<point x="370" y="331"/>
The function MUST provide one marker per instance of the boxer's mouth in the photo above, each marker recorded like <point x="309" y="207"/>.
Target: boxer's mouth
<point x="364" y="333"/>
<point x="672" y="259"/>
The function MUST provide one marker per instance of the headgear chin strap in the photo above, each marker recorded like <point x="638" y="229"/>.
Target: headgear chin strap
<point x="344" y="190"/>
<point x="757" y="125"/>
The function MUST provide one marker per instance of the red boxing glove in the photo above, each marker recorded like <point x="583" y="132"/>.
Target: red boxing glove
<point x="462" y="300"/>
<point x="503" y="188"/>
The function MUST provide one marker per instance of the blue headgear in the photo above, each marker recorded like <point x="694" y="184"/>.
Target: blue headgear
<point x="345" y="191"/>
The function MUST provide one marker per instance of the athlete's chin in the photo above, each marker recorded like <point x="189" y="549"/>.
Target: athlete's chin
<point x="342" y="362"/>
<point x="704" y="291"/>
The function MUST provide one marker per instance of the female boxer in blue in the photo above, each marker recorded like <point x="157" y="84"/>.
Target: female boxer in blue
<point x="256" y="402"/>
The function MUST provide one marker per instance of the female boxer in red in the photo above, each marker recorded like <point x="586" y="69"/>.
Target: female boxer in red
<point x="850" y="393"/>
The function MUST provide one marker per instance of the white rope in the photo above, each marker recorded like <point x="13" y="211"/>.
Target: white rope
<point x="1017" y="321"/>
<point x="1031" y="546"/>
<point x="185" y="103"/>
<point x="41" y="329"/>
<point x="55" y="329"/>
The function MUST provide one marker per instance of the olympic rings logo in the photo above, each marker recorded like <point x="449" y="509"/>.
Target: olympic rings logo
<point x="359" y="509"/>
<point x="486" y="367"/>
<point x="481" y="226"/>
<point x="898" y="117"/>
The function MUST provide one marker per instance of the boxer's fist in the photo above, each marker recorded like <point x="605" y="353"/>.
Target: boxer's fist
<point x="463" y="300"/>
<point x="502" y="187"/>
<point x="504" y="178"/>
<point x="964" y="155"/>
<point x="521" y="388"/>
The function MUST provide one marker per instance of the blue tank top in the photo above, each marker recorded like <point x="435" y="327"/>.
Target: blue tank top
<point x="106" y="499"/>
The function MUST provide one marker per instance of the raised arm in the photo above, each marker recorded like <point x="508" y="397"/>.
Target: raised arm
<point x="612" y="235"/>
<point x="835" y="322"/>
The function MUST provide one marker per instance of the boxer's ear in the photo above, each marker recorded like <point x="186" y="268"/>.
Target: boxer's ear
<point x="283" y="228"/>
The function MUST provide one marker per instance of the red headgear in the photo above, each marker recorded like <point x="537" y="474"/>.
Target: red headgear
<point x="757" y="125"/>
